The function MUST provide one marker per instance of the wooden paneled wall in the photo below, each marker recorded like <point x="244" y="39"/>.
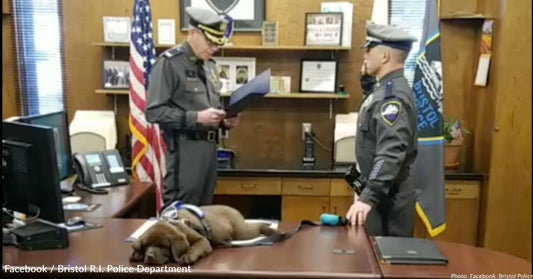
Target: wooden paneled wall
<point x="498" y="115"/>
<point x="269" y="135"/>
<point x="9" y="97"/>
<point x="508" y="208"/>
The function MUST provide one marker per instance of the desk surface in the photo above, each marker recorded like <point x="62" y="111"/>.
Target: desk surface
<point x="308" y="254"/>
<point x="119" y="200"/>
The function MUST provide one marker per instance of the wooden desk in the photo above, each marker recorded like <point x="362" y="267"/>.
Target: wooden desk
<point x="463" y="260"/>
<point x="121" y="202"/>
<point x="309" y="254"/>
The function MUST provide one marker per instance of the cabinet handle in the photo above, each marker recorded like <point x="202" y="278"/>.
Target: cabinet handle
<point x="248" y="186"/>
<point x="453" y="191"/>
<point x="307" y="187"/>
<point x="335" y="209"/>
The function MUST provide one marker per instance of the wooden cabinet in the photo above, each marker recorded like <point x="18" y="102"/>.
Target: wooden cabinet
<point x="462" y="209"/>
<point x="306" y="186"/>
<point x="248" y="186"/>
<point x="339" y="188"/>
<point x="304" y="198"/>
<point x="468" y="9"/>
<point x="340" y="205"/>
<point x="307" y="198"/>
<point x="298" y="208"/>
<point x="341" y="197"/>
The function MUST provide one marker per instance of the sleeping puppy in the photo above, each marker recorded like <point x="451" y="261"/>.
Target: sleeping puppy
<point x="177" y="241"/>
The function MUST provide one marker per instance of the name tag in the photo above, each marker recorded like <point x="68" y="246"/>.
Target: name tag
<point x="191" y="75"/>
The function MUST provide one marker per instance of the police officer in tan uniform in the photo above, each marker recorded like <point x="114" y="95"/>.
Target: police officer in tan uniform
<point x="386" y="142"/>
<point x="184" y="99"/>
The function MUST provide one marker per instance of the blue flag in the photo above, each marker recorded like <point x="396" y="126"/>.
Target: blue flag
<point x="428" y="169"/>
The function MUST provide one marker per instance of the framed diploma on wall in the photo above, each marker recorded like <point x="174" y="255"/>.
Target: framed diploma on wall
<point x="318" y="76"/>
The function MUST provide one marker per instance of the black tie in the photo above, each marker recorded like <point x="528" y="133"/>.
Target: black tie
<point x="201" y="72"/>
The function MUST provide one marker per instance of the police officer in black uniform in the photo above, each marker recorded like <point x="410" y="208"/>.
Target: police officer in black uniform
<point x="184" y="99"/>
<point x="386" y="141"/>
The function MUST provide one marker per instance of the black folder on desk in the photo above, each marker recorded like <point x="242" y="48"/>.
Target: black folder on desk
<point x="246" y="94"/>
<point x="406" y="250"/>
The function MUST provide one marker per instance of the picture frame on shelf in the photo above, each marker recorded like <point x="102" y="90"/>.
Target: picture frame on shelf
<point x="233" y="72"/>
<point x="323" y="29"/>
<point x="318" y="76"/>
<point x="166" y="32"/>
<point x="248" y="15"/>
<point x="116" y="29"/>
<point x="115" y="74"/>
<point x="270" y="33"/>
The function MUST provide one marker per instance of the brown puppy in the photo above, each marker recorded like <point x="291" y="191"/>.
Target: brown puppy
<point x="176" y="241"/>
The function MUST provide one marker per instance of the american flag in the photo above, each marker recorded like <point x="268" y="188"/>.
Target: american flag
<point x="148" y="147"/>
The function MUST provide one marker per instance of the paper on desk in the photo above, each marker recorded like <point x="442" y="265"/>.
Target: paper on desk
<point x="149" y="223"/>
<point x="241" y="98"/>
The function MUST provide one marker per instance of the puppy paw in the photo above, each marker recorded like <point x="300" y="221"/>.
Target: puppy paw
<point x="136" y="257"/>
<point x="187" y="259"/>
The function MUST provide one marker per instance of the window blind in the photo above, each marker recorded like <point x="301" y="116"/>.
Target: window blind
<point x="39" y="52"/>
<point x="409" y="14"/>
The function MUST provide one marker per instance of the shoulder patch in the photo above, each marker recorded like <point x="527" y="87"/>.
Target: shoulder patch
<point x="390" y="112"/>
<point x="172" y="52"/>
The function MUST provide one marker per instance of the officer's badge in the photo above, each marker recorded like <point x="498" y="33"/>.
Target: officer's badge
<point x="390" y="112"/>
<point x="223" y="26"/>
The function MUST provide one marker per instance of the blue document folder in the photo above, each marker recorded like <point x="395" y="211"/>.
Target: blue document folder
<point x="246" y="94"/>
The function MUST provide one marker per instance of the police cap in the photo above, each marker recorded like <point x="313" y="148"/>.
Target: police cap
<point x="216" y="28"/>
<point x="391" y="36"/>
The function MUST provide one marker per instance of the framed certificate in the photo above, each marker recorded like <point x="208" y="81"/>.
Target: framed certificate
<point x="116" y="29"/>
<point x="318" y="76"/>
<point x="323" y="29"/>
<point x="166" y="32"/>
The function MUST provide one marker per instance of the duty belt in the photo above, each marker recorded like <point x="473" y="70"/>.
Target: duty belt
<point x="210" y="136"/>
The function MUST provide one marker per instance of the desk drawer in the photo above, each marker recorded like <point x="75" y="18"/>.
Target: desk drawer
<point x="306" y="186"/>
<point x="462" y="190"/>
<point x="248" y="186"/>
<point x="340" y="188"/>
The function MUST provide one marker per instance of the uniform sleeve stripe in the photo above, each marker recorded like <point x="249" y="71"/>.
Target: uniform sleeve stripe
<point x="376" y="169"/>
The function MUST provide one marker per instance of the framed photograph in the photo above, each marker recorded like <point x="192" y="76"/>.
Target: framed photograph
<point x="116" y="74"/>
<point x="116" y="29"/>
<point x="233" y="72"/>
<point x="270" y="33"/>
<point x="248" y="14"/>
<point x="318" y="76"/>
<point x="323" y="29"/>
<point x="166" y="32"/>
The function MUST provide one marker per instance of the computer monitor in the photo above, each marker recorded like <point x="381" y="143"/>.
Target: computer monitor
<point x="30" y="180"/>
<point x="58" y="121"/>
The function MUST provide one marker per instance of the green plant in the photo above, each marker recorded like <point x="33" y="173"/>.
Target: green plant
<point x="447" y="129"/>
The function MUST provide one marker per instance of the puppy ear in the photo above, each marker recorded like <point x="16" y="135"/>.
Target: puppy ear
<point x="138" y="245"/>
<point x="178" y="245"/>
